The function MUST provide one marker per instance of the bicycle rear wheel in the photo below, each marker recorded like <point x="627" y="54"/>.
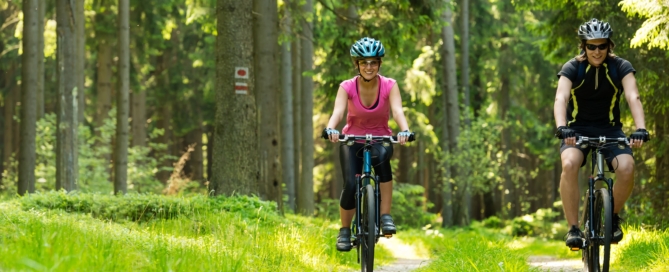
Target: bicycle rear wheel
<point x="368" y="229"/>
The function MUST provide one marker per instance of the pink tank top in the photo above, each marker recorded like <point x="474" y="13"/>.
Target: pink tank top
<point x="362" y="120"/>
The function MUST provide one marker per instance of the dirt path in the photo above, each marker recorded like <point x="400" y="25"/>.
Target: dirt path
<point x="552" y="264"/>
<point x="407" y="257"/>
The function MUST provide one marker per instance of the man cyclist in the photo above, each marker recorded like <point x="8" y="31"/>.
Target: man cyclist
<point x="369" y="97"/>
<point x="589" y="106"/>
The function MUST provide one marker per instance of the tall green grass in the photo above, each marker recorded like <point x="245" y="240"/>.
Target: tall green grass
<point x="643" y="250"/>
<point x="59" y="232"/>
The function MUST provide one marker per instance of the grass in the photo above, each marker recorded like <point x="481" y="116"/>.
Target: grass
<point x="89" y="232"/>
<point x="468" y="249"/>
<point x="643" y="250"/>
<point x="44" y="233"/>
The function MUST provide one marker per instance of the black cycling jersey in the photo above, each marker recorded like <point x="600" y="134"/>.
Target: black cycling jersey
<point x="596" y="100"/>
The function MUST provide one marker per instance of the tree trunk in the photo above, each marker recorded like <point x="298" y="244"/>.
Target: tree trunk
<point x="139" y="118"/>
<point x="508" y="191"/>
<point x="467" y="194"/>
<point x="66" y="137"/>
<point x="80" y="58"/>
<point x="287" y="124"/>
<point x="464" y="55"/>
<point x="266" y="87"/>
<point x="659" y="186"/>
<point x="306" y="197"/>
<point x="10" y="126"/>
<point x="29" y="75"/>
<point x="235" y="160"/>
<point x="104" y="78"/>
<point x="297" y="117"/>
<point x="39" y="100"/>
<point x="122" y="103"/>
<point x="451" y="123"/>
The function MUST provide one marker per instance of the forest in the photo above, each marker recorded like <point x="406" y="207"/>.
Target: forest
<point x="125" y="96"/>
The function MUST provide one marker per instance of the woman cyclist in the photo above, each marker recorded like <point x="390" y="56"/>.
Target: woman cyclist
<point x="589" y="106"/>
<point x="369" y="97"/>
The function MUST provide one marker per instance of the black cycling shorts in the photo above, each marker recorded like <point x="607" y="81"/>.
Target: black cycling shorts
<point x="610" y="152"/>
<point x="351" y="165"/>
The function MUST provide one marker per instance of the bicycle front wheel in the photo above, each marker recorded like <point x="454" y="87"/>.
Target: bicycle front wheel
<point x="590" y="253"/>
<point x="599" y="235"/>
<point x="604" y="230"/>
<point x="368" y="230"/>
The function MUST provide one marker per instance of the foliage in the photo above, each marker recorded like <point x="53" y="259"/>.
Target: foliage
<point x="94" y="167"/>
<point x="144" y="207"/>
<point x="544" y="224"/>
<point x="492" y="222"/>
<point x="408" y="210"/>
<point x="655" y="30"/>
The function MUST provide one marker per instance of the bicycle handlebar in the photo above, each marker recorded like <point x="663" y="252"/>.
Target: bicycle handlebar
<point x="584" y="141"/>
<point x="370" y="137"/>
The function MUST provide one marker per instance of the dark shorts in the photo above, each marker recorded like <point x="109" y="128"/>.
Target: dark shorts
<point x="351" y="165"/>
<point x="609" y="152"/>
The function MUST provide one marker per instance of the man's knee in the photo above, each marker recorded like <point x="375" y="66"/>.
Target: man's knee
<point x="570" y="165"/>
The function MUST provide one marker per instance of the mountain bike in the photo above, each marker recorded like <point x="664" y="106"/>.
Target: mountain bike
<point x="597" y="217"/>
<point x="365" y="228"/>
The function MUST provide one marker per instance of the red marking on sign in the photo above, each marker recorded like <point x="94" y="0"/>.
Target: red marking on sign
<point x="242" y="72"/>
<point x="241" y="88"/>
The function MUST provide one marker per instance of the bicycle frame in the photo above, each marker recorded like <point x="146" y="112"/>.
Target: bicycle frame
<point x="598" y="199"/>
<point x="598" y="163"/>
<point x="362" y="181"/>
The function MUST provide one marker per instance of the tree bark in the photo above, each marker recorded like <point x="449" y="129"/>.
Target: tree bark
<point x="9" y="125"/>
<point x="122" y="103"/>
<point x="80" y="58"/>
<point x="235" y="160"/>
<point x="39" y="100"/>
<point x="450" y="122"/>
<point x="138" y="118"/>
<point x="266" y="87"/>
<point x="29" y="77"/>
<point x="66" y="137"/>
<point x="287" y="113"/>
<point x="306" y="197"/>
<point x="660" y="186"/>
<point x="104" y="78"/>
<point x="297" y="117"/>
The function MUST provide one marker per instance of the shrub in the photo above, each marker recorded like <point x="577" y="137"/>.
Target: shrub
<point x="493" y="222"/>
<point x="144" y="207"/>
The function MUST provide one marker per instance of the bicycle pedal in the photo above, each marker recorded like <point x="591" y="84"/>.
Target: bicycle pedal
<point x="574" y="248"/>
<point x="614" y="243"/>
<point x="388" y="235"/>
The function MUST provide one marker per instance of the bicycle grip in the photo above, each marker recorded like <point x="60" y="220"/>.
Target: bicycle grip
<point x="412" y="137"/>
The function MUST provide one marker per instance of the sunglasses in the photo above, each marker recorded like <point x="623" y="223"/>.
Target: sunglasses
<point x="371" y="63"/>
<point x="592" y="47"/>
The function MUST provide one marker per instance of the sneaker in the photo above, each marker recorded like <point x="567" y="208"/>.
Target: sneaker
<point x="617" y="231"/>
<point x="344" y="240"/>
<point x="574" y="238"/>
<point x="387" y="225"/>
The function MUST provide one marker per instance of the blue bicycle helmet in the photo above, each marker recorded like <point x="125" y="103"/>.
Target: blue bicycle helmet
<point x="367" y="48"/>
<point x="594" y="29"/>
